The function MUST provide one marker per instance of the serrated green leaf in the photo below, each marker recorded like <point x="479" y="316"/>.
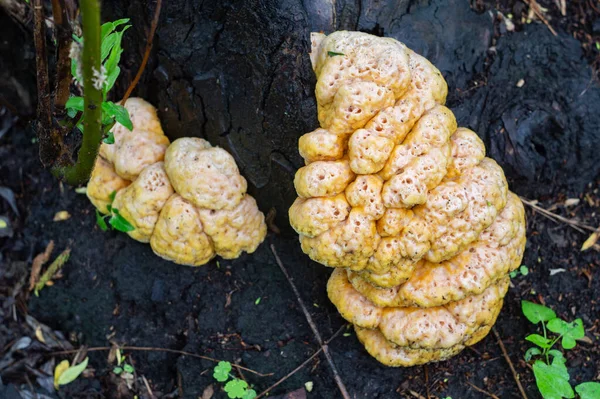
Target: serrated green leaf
<point x="536" y="313"/>
<point x="588" y="390"/>
<point x="119" y="223"/>
<point x="531" y="352"/>
<point x="236" y="389"/>
<point x="552" y="380"/>
<point x="71" y="374"/>
<point x="540" y="341"/>
<point x="100" y="221"/>
<point x="75" y="103"/>
<point x="119" y="112"/>
<point x="221" y="371"/>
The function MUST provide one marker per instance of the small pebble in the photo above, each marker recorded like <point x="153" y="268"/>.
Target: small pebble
<point x="521" y="83"/>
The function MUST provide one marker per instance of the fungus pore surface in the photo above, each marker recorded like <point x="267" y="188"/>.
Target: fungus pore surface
<point x="419" y="224"/>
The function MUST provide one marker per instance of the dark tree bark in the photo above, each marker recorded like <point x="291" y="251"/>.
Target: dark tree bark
<point x="238" y="74"/>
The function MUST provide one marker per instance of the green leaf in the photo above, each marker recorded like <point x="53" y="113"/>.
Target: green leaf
<point x="109" y="139"/>
<point x="570" y="331"/>
<point x="540" y="341"/>
<point x="112" y="196"/>
<point x="108" y="27"/>
<point x="118" y="222"/>
<point x="236" y="389"/>
<point x="75" y="103"/>
<point x="250" y="394"/>
<point x="552" y="380"/>
<point x="128" y="368"/>
<point x="111" y="78"/>
<point x="531" y="352"/>
<point x="71" y="374"/>
<point x="221" y="371"/>
<point x="524" y="270"/>
<point x="257" y="301"/>
<point x="513" y="274"/>
<point x="557" y="356"/>
<point x="113" y="60"/>
<point x="588" y="390"/>
<point x="119" y="112"/>
<point x="536" y="313"/>
<point x="107" y="45"/>
<point x="117" y="370"/>
<point x="557" y="325"/>
<point x="100" y="221"/>
<point x="333" y="53"/>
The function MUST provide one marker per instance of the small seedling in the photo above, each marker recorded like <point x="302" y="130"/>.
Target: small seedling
<point x="110" y="53"/>
<point x="549" y="369"/>
<point x="257" y="301"/>
<point x="523" y="271"/>
<point x="65" y="374"/>
<point x="235" y="388"/>
<point x="116" y="220"/>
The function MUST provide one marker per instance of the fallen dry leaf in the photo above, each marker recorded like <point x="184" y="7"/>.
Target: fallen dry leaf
<point x="208" y="392"/>
<point x="591" y="241"/>
<point x="572" y="202"/>
<point x="62" y="215"/>
<point x="38" y="262"/>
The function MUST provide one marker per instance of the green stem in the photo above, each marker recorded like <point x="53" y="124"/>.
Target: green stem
<point x="92" y="114"/>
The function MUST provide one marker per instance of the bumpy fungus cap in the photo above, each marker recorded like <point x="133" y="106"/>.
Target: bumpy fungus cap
<point x="191" y="207"/>
<point x="419" y="222"/>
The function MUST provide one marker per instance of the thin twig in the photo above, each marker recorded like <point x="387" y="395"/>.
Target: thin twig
<point x="510" y="364"/>
<point x="483" y="391"/>
<point x="538" y="12"/>
<point x="573" y="223"/>
<point x="557" y="218"/>
<point x="313" y="327"/>
<point x="426" y="381"/>
<point x="294" y="371"/>
<point x="48" y="148"/>
<point x="148" y="387"/>
<point x="64" y="38"/>
<point x="149" y="41"/>
<point x="150" y="349"/>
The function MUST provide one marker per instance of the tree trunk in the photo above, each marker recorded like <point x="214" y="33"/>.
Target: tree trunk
<point x="238" y="74"/>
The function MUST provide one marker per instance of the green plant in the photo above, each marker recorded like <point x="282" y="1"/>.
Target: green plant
<point x="549" y="369"/>
<point x="523" y="271"/>
<point x="122" y="366"/>
<point x="104" y="79"/>
<point x="235" y="388"/>
<point x="116" y="220"/>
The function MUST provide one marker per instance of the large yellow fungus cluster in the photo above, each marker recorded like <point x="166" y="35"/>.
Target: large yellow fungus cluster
<point x="419" y="224"/>
<point x="187" y="199"/>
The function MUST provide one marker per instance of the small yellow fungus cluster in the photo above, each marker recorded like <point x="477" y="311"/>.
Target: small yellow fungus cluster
<point x="187" y="199"/>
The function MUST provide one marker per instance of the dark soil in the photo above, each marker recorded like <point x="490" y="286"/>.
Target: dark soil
<point x="546" y="134"/>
